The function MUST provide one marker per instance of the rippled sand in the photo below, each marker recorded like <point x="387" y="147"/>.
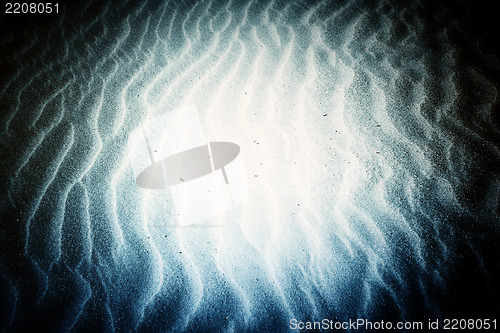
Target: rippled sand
<point x="370" y="135"/>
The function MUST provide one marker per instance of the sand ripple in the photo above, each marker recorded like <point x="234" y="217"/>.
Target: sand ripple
<point x="371" y="144"/>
